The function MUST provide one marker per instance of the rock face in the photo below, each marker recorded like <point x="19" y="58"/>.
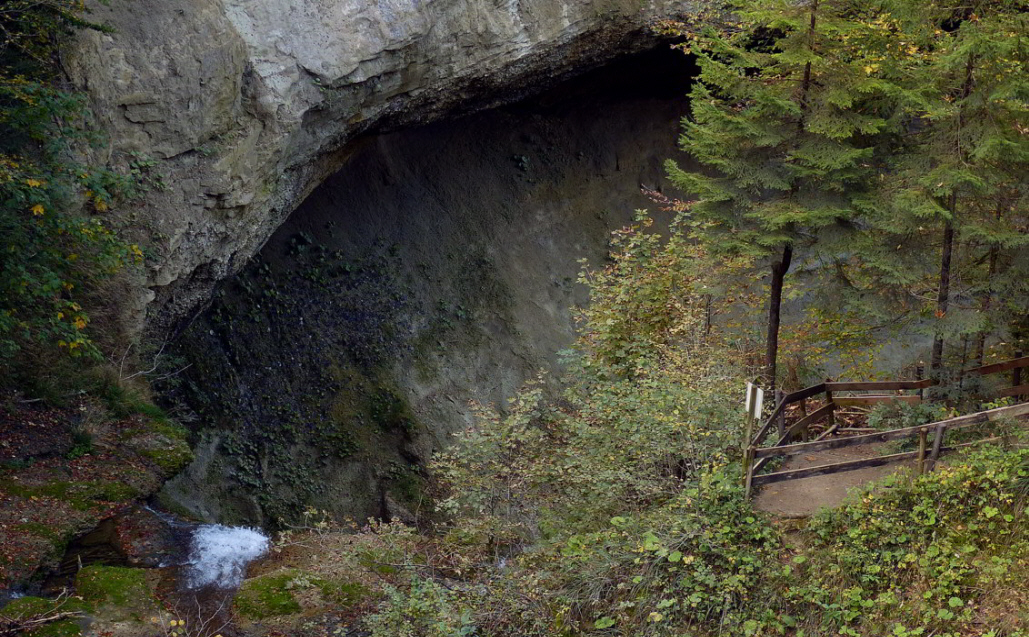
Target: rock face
<point x="233" y="111"/>
<point x="438" y="267"/>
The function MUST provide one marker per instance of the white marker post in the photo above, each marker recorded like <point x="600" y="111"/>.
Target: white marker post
<point x="749" y="407"/>
<point x="753" y="408"/>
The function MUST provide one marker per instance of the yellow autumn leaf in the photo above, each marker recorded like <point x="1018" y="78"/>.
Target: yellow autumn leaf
<point x="34" y="183"/>
<point x="37" y="209"/>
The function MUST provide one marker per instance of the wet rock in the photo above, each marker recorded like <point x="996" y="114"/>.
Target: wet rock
<point x="145" y="539"/>
<point x="395" y="511"/>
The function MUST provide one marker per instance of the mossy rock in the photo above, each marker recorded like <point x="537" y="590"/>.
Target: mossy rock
<point x="65" y="628"/>
<point x="267" y="596"/>
<point x="276" y="594"/>
<point x="26" y="607"/>
<point x="115" y="587"/>
<point x="168" y="453"/>
<point x="82" y="496"/>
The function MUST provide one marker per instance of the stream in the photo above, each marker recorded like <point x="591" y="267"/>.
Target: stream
<point x="201" y="565"/>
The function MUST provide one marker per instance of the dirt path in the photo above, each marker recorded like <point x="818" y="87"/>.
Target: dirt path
<point x="803" y="497"/>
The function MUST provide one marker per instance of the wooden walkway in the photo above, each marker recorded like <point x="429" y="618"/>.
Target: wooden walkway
<point x="819" y="443"/>
<point x="803" y="497"/>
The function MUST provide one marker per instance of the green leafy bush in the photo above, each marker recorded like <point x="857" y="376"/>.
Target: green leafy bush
<point x="425" y="609"/>
<point x="55" y="245"/>
<point x="899" y="415"/>
<point x="648" y="408"/>
<point x="918" y="553"/>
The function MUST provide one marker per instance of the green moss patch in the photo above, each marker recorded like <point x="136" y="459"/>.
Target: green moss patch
<point x="41" y="530"/>
<point x="114" y="586"/>
<point x="267" y="596"/>
<point x="280" y="593"/>
<point x="169" y="454"/>
<point x="65" y="628"/>
<point x="28" y="607"/>
<point x="35" y="606"/>
<point x="80" y="495"/>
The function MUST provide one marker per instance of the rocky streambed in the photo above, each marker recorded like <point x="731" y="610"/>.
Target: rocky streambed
<point x="141" y="570"/>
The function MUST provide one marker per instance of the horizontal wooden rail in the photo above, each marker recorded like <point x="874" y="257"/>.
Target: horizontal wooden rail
<point x="1020" y="390"/>
<point x="793" y="397"/>
<point x="807" y="392"/>
<point x="858" y="401"/>
<point x="807" y="421"/>
<point x="812" y="418"/>
<point x="895" y="434"/>
<point x="880" y="385"/>
<point x="996" y="368"/>
<point x="824" y="469"/>
<point x="852" y="465"/>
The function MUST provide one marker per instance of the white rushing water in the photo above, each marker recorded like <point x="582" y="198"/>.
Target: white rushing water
<point x="218" y="555"/>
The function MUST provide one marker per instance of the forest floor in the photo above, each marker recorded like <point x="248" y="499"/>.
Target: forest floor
<point x="63" y="470"/>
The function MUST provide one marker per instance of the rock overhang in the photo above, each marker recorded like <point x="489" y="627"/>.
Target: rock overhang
<point x="240" y="108"/>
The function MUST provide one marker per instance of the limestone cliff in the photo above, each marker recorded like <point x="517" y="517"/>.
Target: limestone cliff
<point x="237" y="109"/>
<point x="438" y="267"/>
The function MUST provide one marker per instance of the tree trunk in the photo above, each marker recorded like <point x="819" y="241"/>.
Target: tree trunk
<point x="943" y="298"/>
<point x="779" y="270"/>
<point x="980" y="344"/>
<point x="987" y="301"/>
<point x="782" y="266"/>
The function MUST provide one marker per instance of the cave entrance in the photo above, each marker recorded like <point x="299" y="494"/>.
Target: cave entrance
<point x="438" y="266"/>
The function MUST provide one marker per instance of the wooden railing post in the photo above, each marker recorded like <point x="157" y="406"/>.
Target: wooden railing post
<point x="1016" y="374"/>
<point x="748" y="432"/>
<point x="780" y="395"/>
<point x="937" y="445"/>
<point x="828" y="398"/>
<point x="922" y="433"/>
<point x="919" y="375"/>
<point x="748" y="470"/>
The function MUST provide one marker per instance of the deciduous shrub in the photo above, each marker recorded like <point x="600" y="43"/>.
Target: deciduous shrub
<point x="56" y="243"/>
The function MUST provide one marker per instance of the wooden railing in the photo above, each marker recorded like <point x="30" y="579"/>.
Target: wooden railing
<point x="756" y="457"/>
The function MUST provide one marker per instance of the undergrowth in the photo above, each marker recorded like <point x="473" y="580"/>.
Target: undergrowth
<point x="617" y="509"/>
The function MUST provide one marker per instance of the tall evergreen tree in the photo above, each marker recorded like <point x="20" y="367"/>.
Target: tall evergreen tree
<point x="962" y="171"/>
<point x="785" y="119"/>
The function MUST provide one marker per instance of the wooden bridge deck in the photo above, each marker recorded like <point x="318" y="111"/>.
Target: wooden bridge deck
<point x="820" y="472"/>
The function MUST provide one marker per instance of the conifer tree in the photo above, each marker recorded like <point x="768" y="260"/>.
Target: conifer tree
<point x="786" y="119"/>
<point x="962" y="171"/>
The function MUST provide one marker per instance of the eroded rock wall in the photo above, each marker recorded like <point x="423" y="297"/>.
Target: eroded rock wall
<point x="235" y="110"/>
<point x="438" y="266"/>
